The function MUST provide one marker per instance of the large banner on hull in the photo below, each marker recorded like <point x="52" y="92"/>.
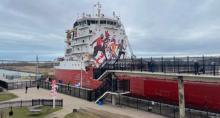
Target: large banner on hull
<point x="107" y="47"/>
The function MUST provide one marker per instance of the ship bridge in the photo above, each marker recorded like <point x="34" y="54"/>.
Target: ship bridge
<point x="94" y="21"/>
<point x="98" y="18"/>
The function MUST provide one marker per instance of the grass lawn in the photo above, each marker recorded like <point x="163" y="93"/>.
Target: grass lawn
<point x="23" y="112"/>
<point x="6" y="96"/>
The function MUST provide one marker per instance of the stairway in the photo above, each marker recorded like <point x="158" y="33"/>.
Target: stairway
<point x="105" y="86"/>
<point x="104" y="74"/>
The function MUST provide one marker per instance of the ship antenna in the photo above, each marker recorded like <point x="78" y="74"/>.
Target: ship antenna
<point x="98" y="5"/>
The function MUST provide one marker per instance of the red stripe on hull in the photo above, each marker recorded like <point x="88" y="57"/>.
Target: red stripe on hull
<point x="74" y="77"/>
<point x="201" y="95"/>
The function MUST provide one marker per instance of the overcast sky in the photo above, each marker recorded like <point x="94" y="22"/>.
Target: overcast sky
<point x="154" y="27"/>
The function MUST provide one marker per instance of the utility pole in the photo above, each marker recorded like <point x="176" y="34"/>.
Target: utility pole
<point x="37" y="68"/>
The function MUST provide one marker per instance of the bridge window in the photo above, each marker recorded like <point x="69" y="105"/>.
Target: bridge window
<point x="103" y="22"/>
<point x="110" y="22"/>
<point x="94" y="21"/>
<point x="84" y="22"/>
<point x="88" y="22"/>
<point x="68" y="51"/>
<point x="76" y="24"/>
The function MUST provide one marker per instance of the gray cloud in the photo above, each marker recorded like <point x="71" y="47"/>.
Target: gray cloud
<point x="162" y="27"/>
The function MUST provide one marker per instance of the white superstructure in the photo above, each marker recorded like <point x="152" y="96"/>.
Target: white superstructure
<point x="92" y="33"/>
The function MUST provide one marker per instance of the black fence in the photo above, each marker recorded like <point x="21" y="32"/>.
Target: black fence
<point x="33" y="102"/>
<point x="159" y="107"/>
<point x="83" y="93"/>
<point x="47" y="102"/>
<point x="189" y="65"/>
<point x="86" y="94"/>
<point x="10" y="85"/>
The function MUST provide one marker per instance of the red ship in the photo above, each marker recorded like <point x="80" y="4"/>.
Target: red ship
<point x="97" y="42"/>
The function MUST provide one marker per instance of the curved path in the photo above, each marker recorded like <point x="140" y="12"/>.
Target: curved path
<point x="72" y="102"/>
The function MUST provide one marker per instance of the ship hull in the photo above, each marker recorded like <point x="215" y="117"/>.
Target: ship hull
<point x="73" y="77"/>
<point x="198" y="94"/>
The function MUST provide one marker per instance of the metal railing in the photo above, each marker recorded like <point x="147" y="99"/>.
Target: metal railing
<point x="83" y="93"/>
<point x="87" y="94"/>
<point x="33" y="102"/>
<point x="188" y="65"/>
<point x="17" y="84"/>
<point x="169" y="110"/>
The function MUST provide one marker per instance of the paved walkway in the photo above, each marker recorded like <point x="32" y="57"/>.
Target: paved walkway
<point x="73" y="102"/>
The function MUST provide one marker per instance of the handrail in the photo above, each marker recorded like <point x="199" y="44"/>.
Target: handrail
<point x="189" y="65"/>
<point x="110" y="92"/>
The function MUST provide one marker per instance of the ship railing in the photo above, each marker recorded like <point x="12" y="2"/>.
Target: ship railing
<point x="188" y="65"/>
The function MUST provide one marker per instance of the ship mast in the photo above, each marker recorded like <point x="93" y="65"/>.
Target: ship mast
<point x="98" y="6"/>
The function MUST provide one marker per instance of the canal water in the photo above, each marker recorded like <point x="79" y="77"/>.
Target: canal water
<point x="10" y="74"/>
